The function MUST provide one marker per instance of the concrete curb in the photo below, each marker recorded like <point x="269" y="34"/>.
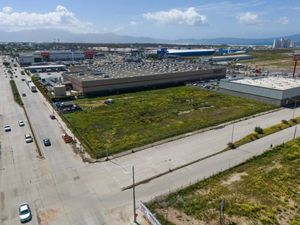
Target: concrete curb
<point x="39" y="151"/>
<point x="115" y="156"/>
<point x="172" y="169"/>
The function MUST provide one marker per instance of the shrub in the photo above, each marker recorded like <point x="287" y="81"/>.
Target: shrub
<point x="294" y="120"/>
<point x="254" y="136"/>
<point x="259" y="130"/>
<point x="284" y="122"/>
<point x="231" y="145"/>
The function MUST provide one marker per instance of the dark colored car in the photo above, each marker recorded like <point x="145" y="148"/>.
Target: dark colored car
<point x="47" y="142"/>
<point x="52" y="117"/>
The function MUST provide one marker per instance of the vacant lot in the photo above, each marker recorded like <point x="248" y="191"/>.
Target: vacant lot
<point x="264" y="190"/>
<point x="141" y="118"/>
<point x="272" y="59"/>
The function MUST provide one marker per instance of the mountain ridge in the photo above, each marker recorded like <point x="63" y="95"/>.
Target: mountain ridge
<point x="50" y="35"/>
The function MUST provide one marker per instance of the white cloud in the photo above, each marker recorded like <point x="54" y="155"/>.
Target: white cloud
<point x="61" y="18"/>
<point x="283" y="20"/>
<point x="189" y="16"/>
<point x="133" y="23"/>
<point x="249" y="18"/>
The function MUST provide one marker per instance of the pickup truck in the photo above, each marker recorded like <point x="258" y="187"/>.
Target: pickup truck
<point x="67" y="138"/>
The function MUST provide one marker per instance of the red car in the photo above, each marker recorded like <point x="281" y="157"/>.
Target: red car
<point x="52" y="117"/>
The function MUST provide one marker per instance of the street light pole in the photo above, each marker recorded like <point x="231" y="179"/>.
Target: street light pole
<point x="232" y="133"/>
<point x="295" y="132"/>
<point x="133" y="195"/>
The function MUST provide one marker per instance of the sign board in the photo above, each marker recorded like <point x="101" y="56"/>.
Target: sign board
<point x="148" y="215"/>
<point x="296" y="57"/>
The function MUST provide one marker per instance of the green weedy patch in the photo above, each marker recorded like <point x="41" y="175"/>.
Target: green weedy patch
<point x="265" y="132"/>
<point x="264" y="190"/>
<point x="16" y="93"/>
<point x="141" y="118"/>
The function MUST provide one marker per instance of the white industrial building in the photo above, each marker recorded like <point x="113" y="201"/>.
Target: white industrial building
<point x="50" y="56"/>
<point x="275" y="90"/>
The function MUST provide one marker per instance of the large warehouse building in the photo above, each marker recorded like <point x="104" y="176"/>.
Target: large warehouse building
<point x="26" y="59"/>
<point x="114" y="77"/>
<point x="275" y="90"/>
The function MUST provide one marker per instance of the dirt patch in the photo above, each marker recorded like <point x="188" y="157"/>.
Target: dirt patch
<point x="185" y="112"/>
<point x="234" y="178"/>
<point x="92" y="104"/>
<point x="242" y="221"/>
<point x="179" y="218"/>
<point x="287" y="214"/>
<point x="200" y="108"/>
<point x="276" y="165"/>
<point x="202" y="192"/>
<point x="44" y="217"/>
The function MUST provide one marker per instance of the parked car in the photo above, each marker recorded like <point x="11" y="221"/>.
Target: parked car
<point x="23" y="94"/>
<point x="25" y="213"/>
<point x="7" y="128"/>
<point x="47" y="142"/>
<point x="28" y="138"/>
<point x="21" y="123"/>
<point x="52" y="117"/>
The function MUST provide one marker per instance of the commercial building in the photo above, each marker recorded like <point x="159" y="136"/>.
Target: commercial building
<point x="275" y="90"/>
<point x="59" y="90"/>
<point x="230" y="58"/>
<point x="230" y="51"/>
<point x="53" y="56"/>
<point x="185" y="52"/>
<point x="46" y="68"/>
<point x="283" y="43"/>
<point x="120" y="76"/>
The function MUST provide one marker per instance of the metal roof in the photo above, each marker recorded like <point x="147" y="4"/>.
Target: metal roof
<point x="133" y="69"/>
<point x="278" y="83"/>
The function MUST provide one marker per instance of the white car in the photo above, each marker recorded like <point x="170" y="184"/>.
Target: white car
<point x="21" y="123"/>
<point x="28" y="138"/>
<point x="7" y="128"/>
<point x="24" y="213"/>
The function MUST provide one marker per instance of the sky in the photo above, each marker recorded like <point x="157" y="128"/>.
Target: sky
<point x="167" y="19"/>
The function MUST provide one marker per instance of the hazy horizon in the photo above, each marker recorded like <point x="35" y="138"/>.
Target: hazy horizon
<point x="170" y="19"/>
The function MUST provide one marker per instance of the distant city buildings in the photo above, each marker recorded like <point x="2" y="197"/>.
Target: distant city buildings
<point x="283" y="43"/>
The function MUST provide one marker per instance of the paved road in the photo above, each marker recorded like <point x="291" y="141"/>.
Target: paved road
<point x="62" y="189"/>
<point x="55" y="189"/>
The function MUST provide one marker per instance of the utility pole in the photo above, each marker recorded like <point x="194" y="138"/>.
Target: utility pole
<point x="222" y="212"/>
<point x="295" y="132"/>
<point x="232" y="133"/>
<point x="133" y="195"/>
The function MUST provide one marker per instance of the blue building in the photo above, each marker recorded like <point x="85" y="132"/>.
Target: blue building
<point x="185" y="52"/>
